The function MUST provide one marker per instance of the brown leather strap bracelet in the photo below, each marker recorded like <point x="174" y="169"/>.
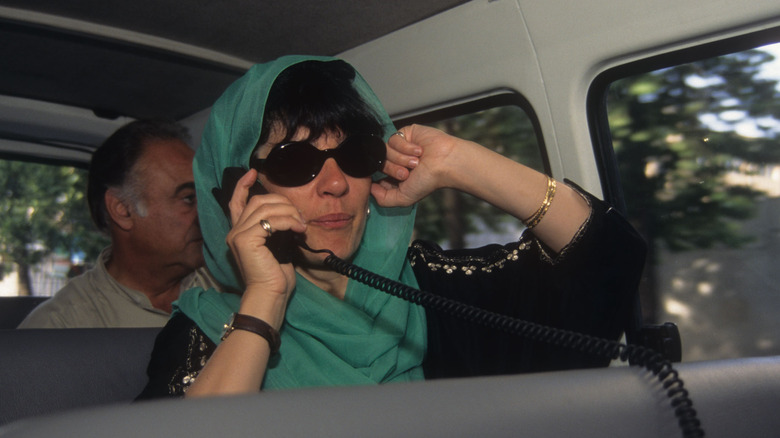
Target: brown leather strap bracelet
<point x="248" y="323"/>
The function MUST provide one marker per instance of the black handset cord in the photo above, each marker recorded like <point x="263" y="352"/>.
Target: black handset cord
<point x="650" y="359"/>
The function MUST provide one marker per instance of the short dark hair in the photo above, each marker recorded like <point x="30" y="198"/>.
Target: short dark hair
<point x="319" y="96"/>
<point x="112" y="163"/>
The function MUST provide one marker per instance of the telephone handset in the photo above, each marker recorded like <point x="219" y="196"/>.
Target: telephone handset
<point x="283" y="244"/>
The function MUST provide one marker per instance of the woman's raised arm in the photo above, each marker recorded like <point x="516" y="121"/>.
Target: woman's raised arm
<point x="425" y="159"/>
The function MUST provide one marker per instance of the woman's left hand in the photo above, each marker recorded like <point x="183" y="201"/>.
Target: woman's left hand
<point x="415" y="160"/>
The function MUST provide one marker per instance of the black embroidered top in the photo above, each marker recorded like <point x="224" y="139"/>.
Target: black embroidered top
<point x="589" y="287"/>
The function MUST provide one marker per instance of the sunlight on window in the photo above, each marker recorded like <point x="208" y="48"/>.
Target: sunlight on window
<point x="46" y="232"/>
<point x="674" y="307"/>
<point x="704" y="288"/>
<point x="697" y="148"/>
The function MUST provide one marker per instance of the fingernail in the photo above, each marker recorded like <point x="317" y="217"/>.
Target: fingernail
<point x="413" y="162"/>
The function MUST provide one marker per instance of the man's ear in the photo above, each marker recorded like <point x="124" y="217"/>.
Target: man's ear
<point x="118" y="211"/>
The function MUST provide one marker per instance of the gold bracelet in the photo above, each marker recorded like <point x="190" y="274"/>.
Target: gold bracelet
<point x="541" y="207"/>
<point x="548" y="198"/>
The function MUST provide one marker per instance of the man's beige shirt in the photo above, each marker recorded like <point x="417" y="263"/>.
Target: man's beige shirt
<point x="94" y="299"/>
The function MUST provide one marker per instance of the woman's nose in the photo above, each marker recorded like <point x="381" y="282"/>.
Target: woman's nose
<point x="332" y="180"/>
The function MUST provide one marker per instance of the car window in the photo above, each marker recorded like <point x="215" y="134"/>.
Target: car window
<point x="456" y="220"/>
<point x="697" y="153"/>
<point x="46" y="234"/>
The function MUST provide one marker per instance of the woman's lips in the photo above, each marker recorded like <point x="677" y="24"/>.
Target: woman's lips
<point x="332" y="221"/>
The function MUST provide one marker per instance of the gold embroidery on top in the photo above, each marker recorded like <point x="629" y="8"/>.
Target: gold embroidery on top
<point x="186" y="374"/>
<point x="467" y="265"/>
<point x="553" y="258"/>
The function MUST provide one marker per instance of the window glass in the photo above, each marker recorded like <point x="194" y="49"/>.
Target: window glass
<point x="456" y="220"/>
<point x="699" y="163"/>
<point x="46" y="234"/>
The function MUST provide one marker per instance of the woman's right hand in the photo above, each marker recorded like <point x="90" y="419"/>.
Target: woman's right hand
<point x="264" y="278"/>
<point x="238" y="364"/>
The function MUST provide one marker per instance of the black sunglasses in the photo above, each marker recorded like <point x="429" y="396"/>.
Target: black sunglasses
<point x="299" y="162"/>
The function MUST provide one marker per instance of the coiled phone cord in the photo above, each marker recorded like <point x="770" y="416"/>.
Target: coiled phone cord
<point x="650" y="359"/>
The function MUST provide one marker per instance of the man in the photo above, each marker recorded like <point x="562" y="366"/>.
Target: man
<point x="141" y="193"/>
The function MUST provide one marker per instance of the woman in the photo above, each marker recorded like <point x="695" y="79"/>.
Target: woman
<point x="334" y="331"/>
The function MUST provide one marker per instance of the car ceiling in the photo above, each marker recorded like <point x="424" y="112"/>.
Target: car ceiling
<point x="121" y="60"/>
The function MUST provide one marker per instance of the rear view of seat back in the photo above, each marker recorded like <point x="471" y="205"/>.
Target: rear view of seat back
<point x="14" y="309"/>
<point x="53" y="370"/>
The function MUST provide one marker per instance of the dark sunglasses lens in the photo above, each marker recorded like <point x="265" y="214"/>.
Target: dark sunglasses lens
<point x="293" y="164"/>
<point x="360" y="156"/>
<point x="298" y="163"/>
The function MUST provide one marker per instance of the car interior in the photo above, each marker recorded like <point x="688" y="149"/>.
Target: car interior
<point x="73" y="72"/>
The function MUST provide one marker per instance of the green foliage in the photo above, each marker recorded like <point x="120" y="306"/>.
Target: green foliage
<point x="673" y="165"/>
<point x="43" y="209"/>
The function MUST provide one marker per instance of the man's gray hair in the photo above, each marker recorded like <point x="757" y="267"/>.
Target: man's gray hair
<point x="113" y="165"/>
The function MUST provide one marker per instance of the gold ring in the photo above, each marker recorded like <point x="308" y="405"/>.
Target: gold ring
<point x="266" y="226"/>
<point x="400" y="134"/>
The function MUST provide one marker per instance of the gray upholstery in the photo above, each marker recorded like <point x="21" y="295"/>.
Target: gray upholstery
<point x="48" y="370"/>
<point x="45" y="371"/>
<point x="14" y="309"/>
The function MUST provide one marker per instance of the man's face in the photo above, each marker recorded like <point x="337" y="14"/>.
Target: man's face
<point x="169" y="233"/>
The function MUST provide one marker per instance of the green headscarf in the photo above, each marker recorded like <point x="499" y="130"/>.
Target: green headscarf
<point x="369" y="337"/>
